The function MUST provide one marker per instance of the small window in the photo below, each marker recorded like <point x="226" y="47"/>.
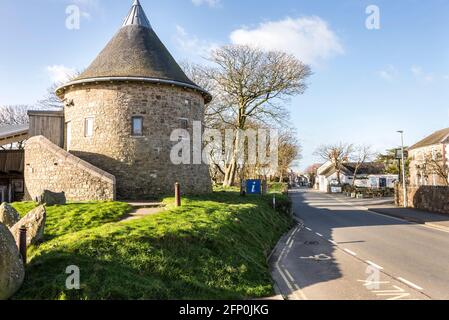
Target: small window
<point x="137" y="126"/>
<point x="89" y="127"/>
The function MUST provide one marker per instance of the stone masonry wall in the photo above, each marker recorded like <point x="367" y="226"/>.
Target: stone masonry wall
<point x="417" y="159"/>
<point x="429" y="198"/>
<point x="48" y="167"/>
<point x="141" y="165"/>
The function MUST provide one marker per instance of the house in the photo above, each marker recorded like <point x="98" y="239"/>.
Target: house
<point x="112" y="138"/>
<point x="368" y="175"/>
<point x="429" y="160"/>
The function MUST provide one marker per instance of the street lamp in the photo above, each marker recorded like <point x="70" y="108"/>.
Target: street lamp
<point x="404" y="185"/>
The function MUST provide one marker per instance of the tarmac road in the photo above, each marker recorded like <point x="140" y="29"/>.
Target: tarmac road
<point x="341" y="251"/>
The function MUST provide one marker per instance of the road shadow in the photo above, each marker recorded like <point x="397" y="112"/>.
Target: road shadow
<point x="414" y="215"/>
<point x="313" y="255"/>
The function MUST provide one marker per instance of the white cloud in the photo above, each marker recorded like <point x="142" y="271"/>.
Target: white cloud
<point x="389" y="73"/>
<point x="210" y="3"/>
<point x="192" y="45"/>
<point x="60" y="73"/>
<point x="421" y="75"/>
<point x="310" y="39"/>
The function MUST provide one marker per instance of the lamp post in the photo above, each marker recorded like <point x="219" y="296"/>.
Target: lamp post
<point x="404" y="185"/>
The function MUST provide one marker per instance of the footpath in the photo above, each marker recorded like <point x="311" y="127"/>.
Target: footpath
<point x="386" y="206"/>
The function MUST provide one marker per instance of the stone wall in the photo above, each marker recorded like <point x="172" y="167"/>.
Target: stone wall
<point x="141" y="165"/>
<point x="48" y="167"/>
<point x="418" y="176"/>
<point x="429" y="198"/>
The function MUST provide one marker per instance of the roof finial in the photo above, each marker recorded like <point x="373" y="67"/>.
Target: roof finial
<point x="137" y="16"/>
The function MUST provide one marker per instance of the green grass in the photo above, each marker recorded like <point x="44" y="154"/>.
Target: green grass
<point x="214" y="247"/>
<point x="75" y="217"/>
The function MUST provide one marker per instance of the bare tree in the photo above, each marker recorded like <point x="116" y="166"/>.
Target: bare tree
<point x="360" y="155"/>
<point x="249" y="84"/>
<point x="14" y="115"/>
<point x="337" y="154"/>
<point x="312" y="171"/>
<point x="51" y="100"/>
<point x="213" y="110"/>
<point x="289" y="152"/>
<point x="434" y="163"/>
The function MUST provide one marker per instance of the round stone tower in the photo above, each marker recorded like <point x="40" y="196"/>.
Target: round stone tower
<point x="121" y="111"/>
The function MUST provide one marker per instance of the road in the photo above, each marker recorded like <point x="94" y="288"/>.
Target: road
<point x="341" y="251"/>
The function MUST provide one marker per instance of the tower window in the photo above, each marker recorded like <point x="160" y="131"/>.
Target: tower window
<point x="89" y="127"/>
<point x="137" y="126"/>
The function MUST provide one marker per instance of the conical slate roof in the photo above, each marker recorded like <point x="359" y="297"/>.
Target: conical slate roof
<point x="136" y="52"/>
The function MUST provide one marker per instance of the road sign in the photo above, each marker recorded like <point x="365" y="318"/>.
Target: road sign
<point x="254" y="186"/>
<point x="398" y="154"/>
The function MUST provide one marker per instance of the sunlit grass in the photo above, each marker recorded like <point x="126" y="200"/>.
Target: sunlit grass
<point x="214" y="247"/>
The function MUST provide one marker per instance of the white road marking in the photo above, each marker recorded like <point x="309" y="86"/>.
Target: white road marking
<point x="301" y="293"/>
<point x="292" y="287"/>
<point x="289" y="276"/>
<point x="374" y="265"/>
<point x="370" y="283"/>
<point x="397" y="294"/>
<point x="350" y="252"/>
<point x="411" y="284"/>
<point x="333" y="242"/>
<point x="318" y="234"/>
<point x="285" y="279"/>
<point x="298" y="289"/>
<point x="308" y="229"/>
<point x="290" y="237"/>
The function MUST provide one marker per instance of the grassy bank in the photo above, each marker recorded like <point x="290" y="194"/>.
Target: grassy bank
<point x="214" y="247"/>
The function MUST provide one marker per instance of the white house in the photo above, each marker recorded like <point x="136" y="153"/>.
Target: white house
<point x="369" y="175"/>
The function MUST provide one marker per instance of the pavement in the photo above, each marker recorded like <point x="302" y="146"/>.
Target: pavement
<point x="142" y="209"/>
<point x="340" y="250"/>
<point x="386" y="206"/>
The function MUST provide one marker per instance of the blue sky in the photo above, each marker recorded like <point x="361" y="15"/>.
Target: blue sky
<point x="366" y="84"/>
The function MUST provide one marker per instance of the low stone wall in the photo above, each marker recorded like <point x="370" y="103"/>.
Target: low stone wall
<point x="48" y="167"/>
<point x="429" y="198"/>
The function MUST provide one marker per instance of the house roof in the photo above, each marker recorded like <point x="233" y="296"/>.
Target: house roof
<point x="13" y="130"/>
<point x="366" y="168"/>
<point x="136" y="53"/>
<point x="348" y="169"/>
<point x="437" y="137"/>
<point x="14" y="133"/>
<point x="137" y="16"/>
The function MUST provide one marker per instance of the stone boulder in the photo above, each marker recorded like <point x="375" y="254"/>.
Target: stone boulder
<point x="52" y="198"/>
<point x="8" y="215"/>
<point x="12" y="271"/>
<point x="34" y="221"/>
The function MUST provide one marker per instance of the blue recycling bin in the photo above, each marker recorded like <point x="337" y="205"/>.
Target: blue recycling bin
<point x="254" y="186"/>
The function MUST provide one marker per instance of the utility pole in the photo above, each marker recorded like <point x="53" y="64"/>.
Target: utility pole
<point x="404" y="184"/>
